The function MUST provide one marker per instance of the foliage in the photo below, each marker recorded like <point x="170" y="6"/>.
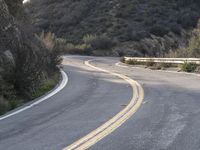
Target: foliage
<point x="151" y="27"/>
<point x="121" y="19"/>
<point x="46" y="86"/>
<point x="54" y="45"/>
<point x="189" y="67"/>
<point x="193" y="48"/>
<point x="24" y="61"/>
<point x="88" y="38"/>
<point x="194" y="44"/>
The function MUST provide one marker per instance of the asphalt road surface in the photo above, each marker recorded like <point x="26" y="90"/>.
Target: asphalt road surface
<point x="168" y="119"/>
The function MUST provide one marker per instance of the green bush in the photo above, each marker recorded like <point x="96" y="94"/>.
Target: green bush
<point x="189" y="67"/>
<point x="46" y="86"/>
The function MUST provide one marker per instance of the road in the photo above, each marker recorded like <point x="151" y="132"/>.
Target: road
<point x="168" y="119"/>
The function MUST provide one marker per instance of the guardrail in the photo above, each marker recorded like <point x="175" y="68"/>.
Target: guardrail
<point x="165" y="60"/>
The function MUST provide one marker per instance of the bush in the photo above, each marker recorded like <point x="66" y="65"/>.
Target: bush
<point x="77" y="49"/>
<point x="98" y="42"/>
<point x="194" y="44"/>
<point x="88" y="39"/>
<point x="189" y="67"/>
<point x="46" y="86"/>
<point x="48" y="39"/>
<point x="54" y="46"/>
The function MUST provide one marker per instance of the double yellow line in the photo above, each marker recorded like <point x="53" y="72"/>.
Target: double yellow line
<point x="111" y="125"/>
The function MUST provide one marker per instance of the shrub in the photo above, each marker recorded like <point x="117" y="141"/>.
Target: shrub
<point x="48" y="39"/>
<point x="46" y="86"/>
<point x="194" y="44"/>
<point x="98" y="42"/>
<point x="77" y="49"/>
<point x="189" y="67"/>
<point x="88" y="39"/>
<point x="55" y="46"/>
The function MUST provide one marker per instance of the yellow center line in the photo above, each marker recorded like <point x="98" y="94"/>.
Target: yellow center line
<point x="108" y="127"/>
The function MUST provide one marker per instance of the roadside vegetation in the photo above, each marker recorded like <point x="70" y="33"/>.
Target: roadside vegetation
<point x="186" y="67"/>
<point x="16" y="101"/>
<point x="138" y="27"/>
<point x="192" y="50"/>
<point x="189" y="67"/>
<point x="90" y="44"/>
<point x="46" y="86"/>
<point x="28" y="65"/>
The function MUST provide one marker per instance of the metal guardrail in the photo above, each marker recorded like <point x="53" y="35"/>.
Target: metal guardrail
<point x="165" y="60"/>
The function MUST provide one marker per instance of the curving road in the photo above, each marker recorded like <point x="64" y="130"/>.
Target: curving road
<point x="168" y="119"/>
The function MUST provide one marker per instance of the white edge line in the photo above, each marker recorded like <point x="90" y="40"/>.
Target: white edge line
<point x="58" y="89"/>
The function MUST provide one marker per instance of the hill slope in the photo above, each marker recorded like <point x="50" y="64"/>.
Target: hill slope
<point x="24" y="62"/>
<point x="140" y="27"/>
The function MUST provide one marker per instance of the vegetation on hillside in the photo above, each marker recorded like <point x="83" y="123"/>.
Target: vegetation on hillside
<point x="138" y="27"/>
<point x="192" y="49"/>
<point x="90" y="44"/>
<point x="25" y="62"/>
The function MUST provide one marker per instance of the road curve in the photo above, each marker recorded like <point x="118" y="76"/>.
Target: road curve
<point x="169" y="118"/>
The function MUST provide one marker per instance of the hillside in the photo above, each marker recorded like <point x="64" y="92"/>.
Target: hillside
<point x="140" y="27"/>
<point x="24" y="61"/>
